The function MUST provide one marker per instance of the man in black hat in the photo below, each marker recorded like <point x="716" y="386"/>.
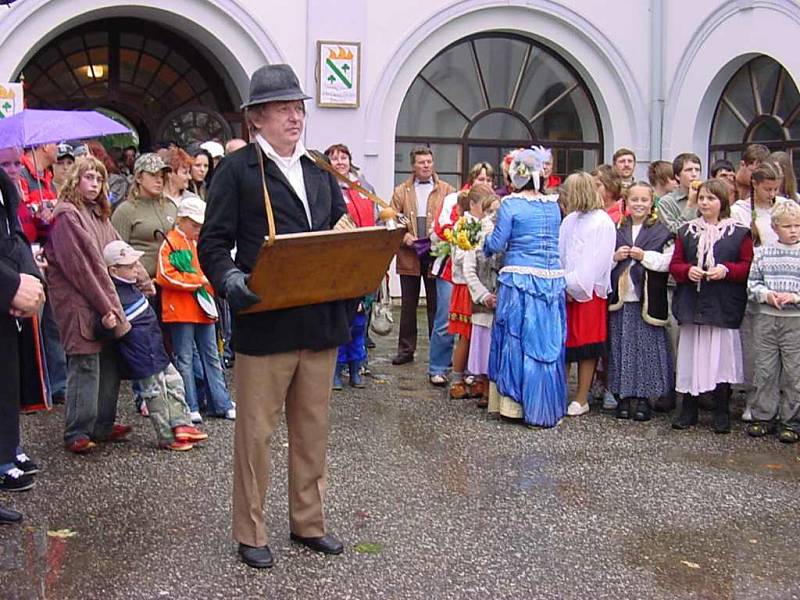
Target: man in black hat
<point x="21" y="296"/>
<point x="283" y="357"/>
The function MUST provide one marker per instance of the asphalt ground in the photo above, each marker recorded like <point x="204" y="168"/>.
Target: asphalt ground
<point x="432" y="499"/>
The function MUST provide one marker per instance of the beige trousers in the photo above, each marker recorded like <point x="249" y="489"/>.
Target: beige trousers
<point x="300" y="380"/>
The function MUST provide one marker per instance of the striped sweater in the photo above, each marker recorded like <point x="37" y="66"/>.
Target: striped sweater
<point x="775" y="268"/>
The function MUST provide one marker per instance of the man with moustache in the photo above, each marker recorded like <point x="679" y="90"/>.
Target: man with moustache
<point x="284" y="357"/>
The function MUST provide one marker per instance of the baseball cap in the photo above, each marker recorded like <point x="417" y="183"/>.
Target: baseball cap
<point x="120" y="253"/>
<point x="215" y="149"/>
<point x="150" y="163"/>
<point x="193" y="208"/>
<point x="64" y="150"/>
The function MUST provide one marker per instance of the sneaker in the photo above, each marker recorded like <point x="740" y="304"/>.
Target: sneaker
<point x="576" y="409"/>
<point x="15" y="480"/>
<point x="176" y="445"/>
<point x="81" y="446"/>
<point x="25" y="464"/>
<point x="119" y="433"/>
<point x="195" y="417"/>
<point x="747" y="415"/>
<point x="609" y="402"/>
<point x="143" y="410"/>
<point x="438" y="380"/>
<point x="188" y="433"/>
<point x="230" y="414"/>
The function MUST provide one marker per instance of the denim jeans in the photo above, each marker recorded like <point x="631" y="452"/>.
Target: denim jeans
<point x="440" y="358"/>
<point x="92" y="391"/>
<point x="204" y="337"/>
<point x="54" y="353"/>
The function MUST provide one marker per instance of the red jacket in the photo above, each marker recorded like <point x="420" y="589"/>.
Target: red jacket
<point x="178" y="303"/>
<point x="36" y="189"/>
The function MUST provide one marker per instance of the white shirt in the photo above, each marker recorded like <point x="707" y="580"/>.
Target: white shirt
<point x="586" y="244"/>
<point x="291" y="168"/>
<point x="422" y="191"/>
<point x="742" y="212"/>
<point x="653" y="261"/>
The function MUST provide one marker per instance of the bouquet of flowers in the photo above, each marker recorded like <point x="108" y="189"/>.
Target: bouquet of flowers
<point x="465" y="235"/>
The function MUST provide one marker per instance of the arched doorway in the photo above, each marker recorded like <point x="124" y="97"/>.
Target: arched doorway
<point x="760" y="104"/>
<point x="150" y="74"/>
<point x="492" y="92"/>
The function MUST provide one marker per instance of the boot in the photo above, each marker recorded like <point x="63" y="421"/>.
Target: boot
<point x="337" y="378"/>
<point x="642" y="412"/>
<point x="624" y="408"/>
<point x="355" y="375"/>
<point x="688" y="416"/>
<point x="722" y="401"/>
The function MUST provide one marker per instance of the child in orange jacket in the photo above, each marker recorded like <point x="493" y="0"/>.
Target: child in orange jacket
<point x="187" y="305"/>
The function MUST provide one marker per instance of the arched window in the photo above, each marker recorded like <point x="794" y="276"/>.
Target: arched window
<point x="151" y="75"/>
<point x="760" y="104"/>
<point x="490" y="93"/>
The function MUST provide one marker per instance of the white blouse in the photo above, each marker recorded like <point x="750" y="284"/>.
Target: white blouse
<point x="586" y="244"/>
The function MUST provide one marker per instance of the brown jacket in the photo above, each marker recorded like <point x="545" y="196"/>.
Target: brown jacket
<point x="404" y="200"/>
<point x="80" y="288"/>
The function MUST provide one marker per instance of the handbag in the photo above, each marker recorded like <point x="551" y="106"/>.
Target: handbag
<point x="382" y="321"/>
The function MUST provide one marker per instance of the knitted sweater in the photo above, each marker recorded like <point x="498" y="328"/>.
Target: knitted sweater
<point x="775" y="268"/>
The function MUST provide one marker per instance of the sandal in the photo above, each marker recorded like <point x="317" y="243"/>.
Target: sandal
<point x="758" y="429"/>
<point x="789" y="436"/>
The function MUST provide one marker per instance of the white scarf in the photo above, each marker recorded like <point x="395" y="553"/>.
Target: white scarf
<point x="709" y="234"/>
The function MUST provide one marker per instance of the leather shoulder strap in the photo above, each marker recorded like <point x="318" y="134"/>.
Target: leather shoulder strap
<point x="267" y="202"/>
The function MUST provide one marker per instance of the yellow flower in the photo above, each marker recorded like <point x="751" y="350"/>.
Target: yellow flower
<point x="448" y="235"/>
<point x="463" y="241"/>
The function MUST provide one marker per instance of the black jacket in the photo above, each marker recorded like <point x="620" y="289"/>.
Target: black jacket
<point x="716" y="303"/>
<point x="15" y="253"/>
<point x="651" y="286"/>
<point x="235" y="216"/>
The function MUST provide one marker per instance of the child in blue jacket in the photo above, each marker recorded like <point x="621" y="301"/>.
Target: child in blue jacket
<point x="144" y="358"/>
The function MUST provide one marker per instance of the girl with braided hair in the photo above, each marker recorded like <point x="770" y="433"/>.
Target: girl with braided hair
<point x="754" y="212"/>
<point x="640" y="355"/>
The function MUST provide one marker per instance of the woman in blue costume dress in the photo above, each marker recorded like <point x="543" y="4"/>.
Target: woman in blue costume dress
<point x="526" y="360"/>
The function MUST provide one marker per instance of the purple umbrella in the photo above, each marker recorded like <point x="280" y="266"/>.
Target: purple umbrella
<point x="33" y="127"/>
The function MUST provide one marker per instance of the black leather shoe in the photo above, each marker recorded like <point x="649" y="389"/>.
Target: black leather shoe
<point x="624" y="408"/>
<point x="8" y="516"/>
<point x="402" y="359"/>
<point x="643" y="412"/>
<point x="258" y="557"/>
<point x="327" y="544"/>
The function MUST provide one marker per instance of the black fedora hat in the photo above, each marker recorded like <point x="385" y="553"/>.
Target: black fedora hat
<point x="274" y="83"/>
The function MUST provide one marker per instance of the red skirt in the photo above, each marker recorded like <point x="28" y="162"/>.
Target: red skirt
<point x="587" y="328"/>
<point x="460" y="311"/>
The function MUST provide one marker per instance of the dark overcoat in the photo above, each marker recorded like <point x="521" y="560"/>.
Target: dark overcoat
<point x="236" y="217"/>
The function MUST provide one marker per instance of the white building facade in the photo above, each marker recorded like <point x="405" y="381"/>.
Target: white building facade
<point x="471" y="78"/>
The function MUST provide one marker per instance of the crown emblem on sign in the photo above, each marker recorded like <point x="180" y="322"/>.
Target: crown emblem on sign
<point x="6" y="92"/>
<point x="342" y="54"/>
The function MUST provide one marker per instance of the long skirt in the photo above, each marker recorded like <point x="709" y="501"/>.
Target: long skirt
<point x="707" y="356"/>
<point x="639" y="357"/>
<point x="480" y="344"/>
<point x="526" y="359"/>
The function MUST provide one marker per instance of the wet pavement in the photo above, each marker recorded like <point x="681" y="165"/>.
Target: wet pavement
<point x="433" y="500"/>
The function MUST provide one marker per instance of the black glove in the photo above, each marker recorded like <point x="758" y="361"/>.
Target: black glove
<point x="238" y="294"/>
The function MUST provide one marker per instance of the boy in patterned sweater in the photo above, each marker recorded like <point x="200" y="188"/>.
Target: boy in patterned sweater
<point x="774" y="283"/>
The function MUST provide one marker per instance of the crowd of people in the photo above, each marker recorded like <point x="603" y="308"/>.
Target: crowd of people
<point x="112" y="238"/>
<point x="126" y="265"/>
<point x="670" y="285"/>
<point x="654" y="287"/>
